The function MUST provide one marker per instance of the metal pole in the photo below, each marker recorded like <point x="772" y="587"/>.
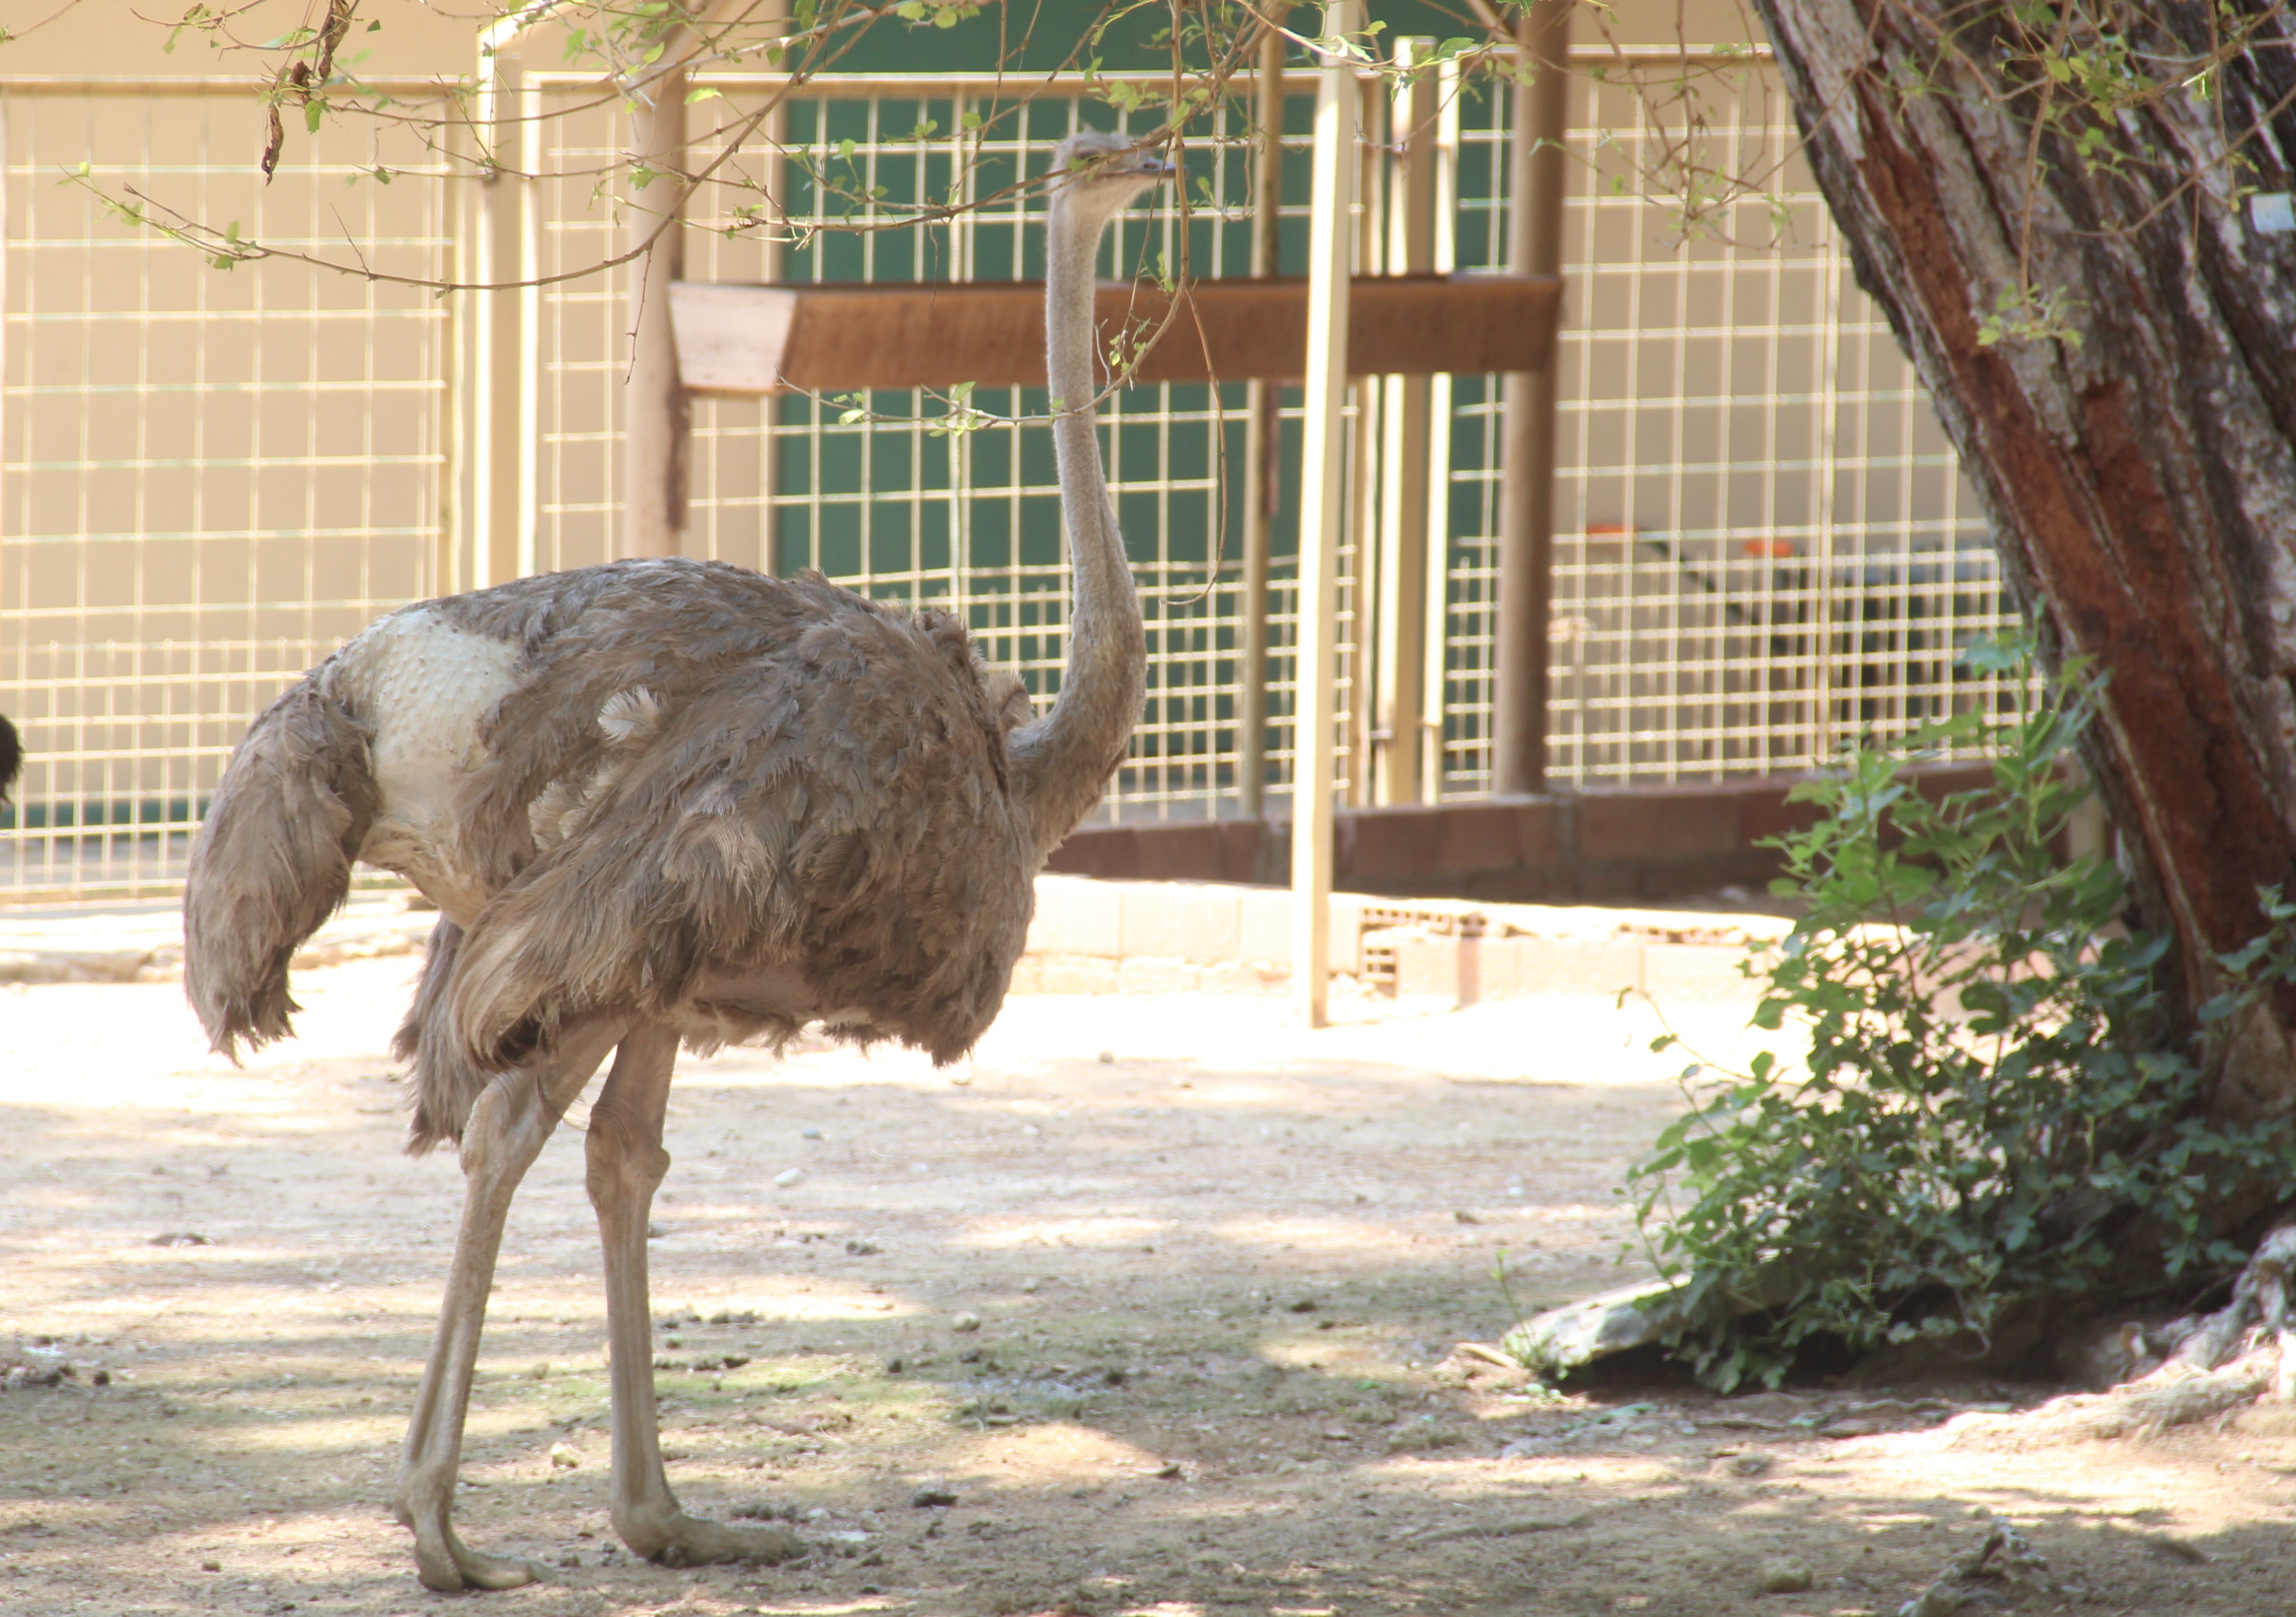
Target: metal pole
<point x="500" y="423"/>
<point x="1263" y="480"/>
<point x="657" y="412"/>
<point x="776" y="139"/>
<point x="1404" y="479"/>
<point x="1360" y="583"/>
<point x="458" y="218"/>
<point x="1323" y="486"/>
<point x="1527" y="464"/>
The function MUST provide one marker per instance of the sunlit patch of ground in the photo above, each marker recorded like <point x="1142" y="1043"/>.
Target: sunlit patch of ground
<point x="1159" y="1287"/>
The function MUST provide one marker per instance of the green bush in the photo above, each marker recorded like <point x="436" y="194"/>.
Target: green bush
<point x="1993" y="1092"/>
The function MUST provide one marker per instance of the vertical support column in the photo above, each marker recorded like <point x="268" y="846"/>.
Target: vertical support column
<point x="529" y="332"/>
<point x="1263" y="478"/>
<point x="1400" y="702"/>
<point x="1527" y="464"/>
<point x="657" y="418"/>
<point x="457" y="219"/>
<point x="501" y="422"/>
<point x="775" y="135"/>
<point x="1435" y="679"/>
<point x="1323" y="508"/>
<point x="1361" y="582"/>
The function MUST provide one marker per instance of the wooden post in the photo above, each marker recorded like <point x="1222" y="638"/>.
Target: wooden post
<point x="502" y="425"/>
<point x="1400" y="699"/>
<point x="1527" y="465"/>
<point x="1263" y="480"/>
<point x="657" y="414"/>
<point x="1322" y="507"/>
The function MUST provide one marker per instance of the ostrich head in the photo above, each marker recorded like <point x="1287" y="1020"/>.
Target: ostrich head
<point x="1095" y="175"/>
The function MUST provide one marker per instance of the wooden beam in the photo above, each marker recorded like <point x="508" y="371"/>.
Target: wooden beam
<point x="746" y="340"/>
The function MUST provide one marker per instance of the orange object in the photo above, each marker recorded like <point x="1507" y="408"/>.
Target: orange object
<point x="750" y="339"/>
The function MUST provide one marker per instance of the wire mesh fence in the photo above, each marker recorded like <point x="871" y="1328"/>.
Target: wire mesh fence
<point x="1763" y="544"/>
<point x="210" y="480"/>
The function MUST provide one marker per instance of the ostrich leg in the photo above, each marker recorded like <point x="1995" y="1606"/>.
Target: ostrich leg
<point x="507" y="1130"/>
<point x="627" y="1164"/>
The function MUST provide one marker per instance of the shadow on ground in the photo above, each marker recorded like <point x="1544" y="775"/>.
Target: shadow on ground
<point x="1158" y="1293"/>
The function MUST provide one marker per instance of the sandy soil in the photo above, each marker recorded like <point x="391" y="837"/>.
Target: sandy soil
<point x="1159" y="1288"/>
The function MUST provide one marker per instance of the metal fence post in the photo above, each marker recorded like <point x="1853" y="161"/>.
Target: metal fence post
<point x="1400" y="704"/>
<point x="1263" y="483"/>
<point x="501" y="425"/>
<point x="1323" y="507"/>
<point x="657" y="419"/>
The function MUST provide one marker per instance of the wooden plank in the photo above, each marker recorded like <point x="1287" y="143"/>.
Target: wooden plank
<point x="734" y="338"/>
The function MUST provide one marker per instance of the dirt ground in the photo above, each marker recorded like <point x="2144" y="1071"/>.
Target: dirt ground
<point x="1159" y="1289"/>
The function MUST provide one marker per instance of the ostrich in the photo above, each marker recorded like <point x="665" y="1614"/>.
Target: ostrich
<point x="661" y="801"/>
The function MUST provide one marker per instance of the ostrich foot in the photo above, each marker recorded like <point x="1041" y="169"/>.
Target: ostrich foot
<point x="683" y="1540"/>
<point x="442" y="1561"/>
<point x="445" y="1563"/>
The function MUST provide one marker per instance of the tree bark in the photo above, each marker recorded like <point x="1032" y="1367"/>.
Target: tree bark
<point x="2136" y="460"/>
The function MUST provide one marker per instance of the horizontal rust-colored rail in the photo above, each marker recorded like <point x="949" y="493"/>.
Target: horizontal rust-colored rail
<point x="748" y="339"/>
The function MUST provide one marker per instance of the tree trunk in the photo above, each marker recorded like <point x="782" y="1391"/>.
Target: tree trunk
<point x="2129" y="423"/>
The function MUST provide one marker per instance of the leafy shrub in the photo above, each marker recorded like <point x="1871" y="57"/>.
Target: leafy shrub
<point x="1993" y="1089"/>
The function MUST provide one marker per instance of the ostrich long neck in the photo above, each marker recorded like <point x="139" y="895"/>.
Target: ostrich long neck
<point x="1063" y="761"/>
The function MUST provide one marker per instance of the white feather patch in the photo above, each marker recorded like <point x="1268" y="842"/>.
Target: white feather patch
<point x="630" y="717"/>
<point x="424" y="686"/>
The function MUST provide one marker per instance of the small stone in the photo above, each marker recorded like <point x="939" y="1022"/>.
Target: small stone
<point x="541" y="1371"/>
<point x="1031" y="1285"/>
<point x="863" y="1249"/>
<point x="1838" y="1430"/>
<point x="896" y="1364"/>
<point x="788" y="1176"/>
<point x="564" y="1458"/>
<point x="966" y="1322"/>
<point x="1786" y="1575"/>
<point x="810" y="1134"/>
<point x="1749" y="1465"/>
<point x="1170" y="1472"/>
<point x="1463" y="1216"/>
<point x="1302" y="1305"/>
<point x="932" y="1496"/>
<point x="210" y="1566"/>
<point x="1108" y="1058"/>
